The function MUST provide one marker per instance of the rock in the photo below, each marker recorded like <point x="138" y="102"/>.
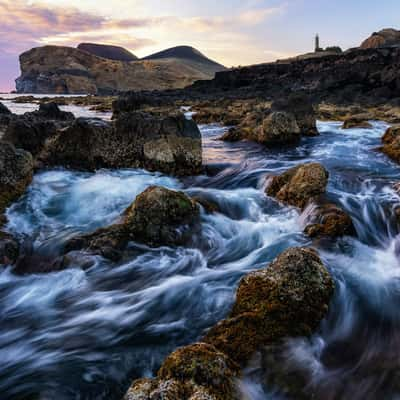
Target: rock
<point x="276" y="129"/>
<point x="287" y="299"/>
<point x="209" y="206"/>
<point x="328" y="220"/>
<point x="299" y="185"/>
<point x="232" y="135"/>
<point x="157" y="217"/>
<point x="9" y="249"/>
<point x="203" y="365"/>
<point x="4" y="109"/>
<point x="391" y="143"/>
<point x="356" y="122"/>
<point x="52" y="111"/>
<point x="16" y="172"/>
<point x="134" y="101"/>
<point x="383" y="38"/>
<point x="31" y="130"/>
<point x="301" y="106"/>
<point x="135" y="140"/>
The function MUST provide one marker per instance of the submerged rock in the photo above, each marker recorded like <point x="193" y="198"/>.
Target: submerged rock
<point x="299" y="185"/>
<point x="134" y="140"/>
<point x="287" y="299"/>
<point x="391" y="143"/>
<point x="16" y="172"/>
<point x="328" y="220"/>
<point x="158" y="217"/>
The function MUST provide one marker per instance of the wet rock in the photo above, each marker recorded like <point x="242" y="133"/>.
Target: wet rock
<point x="28" y="264"/>
<point x="16" y="172"/>
<point x="9" y="249"/>
<point x="301" y="106"/>
<point x="232" y="135"/>
<point x="158" y="217"/>
<point x="276" y="129"/>
<point x="134" y="101"/>
<point x="31" y="130"/>
<point x="360" y="122"/>
<point x="152" y="389"/>
<point x="391" y="143"/>
<point x="287" y="299"/>
<point x="299" y="185"/>
<point x="135" y="140"/>
<point x="209" y="206"/>
<point x="328" y="220"/>
<point x="203" y="365"/>
<point x="4" y="109"/>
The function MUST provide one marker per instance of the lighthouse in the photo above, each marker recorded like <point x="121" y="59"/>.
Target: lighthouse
<point x="317" y="47"/>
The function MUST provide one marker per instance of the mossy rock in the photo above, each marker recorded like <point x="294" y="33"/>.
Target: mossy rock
<point x="391" y="143"/>
<point x="299" y="185"/>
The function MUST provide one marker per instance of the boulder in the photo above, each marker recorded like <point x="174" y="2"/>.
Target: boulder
<point x="299" y="185"/>
<point x="276" y="129"/>
<point x="9" y="249"/>
<point x="195" y="372"/>
<point x="4" y="109"/>
<point x="328" y="220"/>
<point x="301" y="106"/>
<point x="357" y="121"/>
<point x="232" y="135"/>
<point x="135" y="140"/>
<point x="31" y="130"/>
<point x="157" y="217"/>
<point x="132" y="101"/>
<point x="287" y="299"/>
<point x="391" y="143"/>
<point x="16" y="172"/>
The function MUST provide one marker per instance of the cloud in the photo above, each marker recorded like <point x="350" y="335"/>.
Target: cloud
<point x="25" y="25"/>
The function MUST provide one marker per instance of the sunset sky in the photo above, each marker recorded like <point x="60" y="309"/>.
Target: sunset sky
<point x="233" y="32"/>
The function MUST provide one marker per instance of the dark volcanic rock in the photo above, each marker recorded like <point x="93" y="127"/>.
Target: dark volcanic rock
<point x="16" y="172"/>
<point x="31" y="130"/>
<point x="157" y="217"/>
<point x="300" y="185"/>
<point x="301" y="106"/>
<point x="135" y="140"/>
<point x="4" y="109"/>
<point x="134" y="101"/>
<point x="9" y="249"/>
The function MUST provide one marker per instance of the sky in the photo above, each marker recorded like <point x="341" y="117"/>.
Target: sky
<point x="233" y="32"/>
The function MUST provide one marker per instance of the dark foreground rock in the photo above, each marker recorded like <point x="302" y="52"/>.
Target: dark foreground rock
<point x="299" y="185"/>
<point x="135" y="140"/>
<point x="31" y="130"/>
<point x="391" y="143"/>
<point x="16" y="172"/>
<point x="4" y="109"/>
<point x="287" y="299"/>
<point x="9" y="249"/>
<point x="158" y="217"/>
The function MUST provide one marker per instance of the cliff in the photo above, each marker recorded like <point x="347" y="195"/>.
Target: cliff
<point x="384" y="38"/>
<point x="369" y="75"/>
<point x="66" y="70"/>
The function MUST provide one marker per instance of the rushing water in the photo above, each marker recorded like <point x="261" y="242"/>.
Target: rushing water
<point x="83" y="334"/>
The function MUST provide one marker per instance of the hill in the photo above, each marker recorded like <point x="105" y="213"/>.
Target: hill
<point x="67" y="70"/>
<point x="190" y="57"/>
<point x="107" y="51"/>
<point x="384" y="38"/>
